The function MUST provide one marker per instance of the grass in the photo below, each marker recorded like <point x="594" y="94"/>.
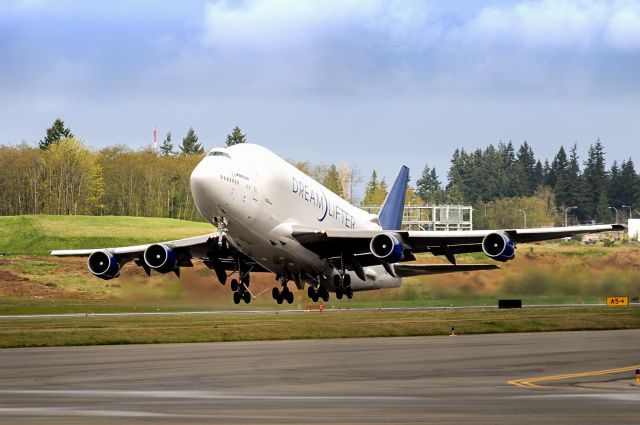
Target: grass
<point x="38" y="234"/>
<point x="330" y="324"/>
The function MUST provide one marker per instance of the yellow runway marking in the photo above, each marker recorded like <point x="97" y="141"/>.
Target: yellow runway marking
<point x="532" y="382"/>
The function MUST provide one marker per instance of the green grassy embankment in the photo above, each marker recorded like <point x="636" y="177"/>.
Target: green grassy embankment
<point x="330" y="324"/>
<point x="38" y="234"/>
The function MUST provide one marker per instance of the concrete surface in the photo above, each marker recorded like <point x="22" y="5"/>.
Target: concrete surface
<point x="460" y="379"/>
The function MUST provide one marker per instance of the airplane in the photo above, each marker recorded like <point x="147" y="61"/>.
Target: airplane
<point x="271" y="217"/>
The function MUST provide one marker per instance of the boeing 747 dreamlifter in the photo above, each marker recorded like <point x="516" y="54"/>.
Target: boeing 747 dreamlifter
<point x="271" y="217"/>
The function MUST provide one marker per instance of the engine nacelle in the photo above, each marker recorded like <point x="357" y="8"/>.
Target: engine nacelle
<point x="160" y="257"/>
<point x="499" y="247"/>
<point x="103" y="264"/>
<point x="386" y="247"/>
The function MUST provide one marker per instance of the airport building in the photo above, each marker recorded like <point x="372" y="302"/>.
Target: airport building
<point x="634" y="229"/>
<point x="433" y="217"/>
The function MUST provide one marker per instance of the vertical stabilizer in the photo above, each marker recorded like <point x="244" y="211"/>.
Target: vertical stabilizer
<point x="393" y="207"/>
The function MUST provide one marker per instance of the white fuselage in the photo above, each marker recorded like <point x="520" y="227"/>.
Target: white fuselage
<point x="261" y="197"/>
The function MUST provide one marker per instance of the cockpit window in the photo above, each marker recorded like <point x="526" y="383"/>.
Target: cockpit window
<point x="218" y="153"/>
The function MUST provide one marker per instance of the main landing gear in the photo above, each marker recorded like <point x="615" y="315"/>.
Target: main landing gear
<point x="285" y="294"/>
<point x="342" y="283"/>
<point x="241" y="289"/>
<point x="316" y="294"/>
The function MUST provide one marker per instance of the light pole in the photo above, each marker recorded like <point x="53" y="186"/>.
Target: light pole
<point x="627" y="206"/>
<point x="565" y="214"/>
<point x="616" y="210"/>
<point x="525" y="218"/>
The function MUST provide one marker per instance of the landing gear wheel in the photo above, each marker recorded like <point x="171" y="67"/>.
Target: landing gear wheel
<point x="337" y="283"/>
<point x="346" y="281"/>
<point x="236" y="297"/>
<point x="288" y="296"/>
<point x="246" y="296"/>
<point x="349" y="292"/>
<point x="279" y="299"/>
<point x="339" y="293"/>
<point x="275" y="293"/>
<point x="311" y="291"/>
<point x="234" y="285"/>
<point x="324" y="295"/>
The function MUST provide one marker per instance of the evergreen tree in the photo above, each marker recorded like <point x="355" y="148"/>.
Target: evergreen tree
<point x="429" y="188"/>
<point x="577" y="190"/>
<point x="332" y="181"/>
<point x="190" y="143"/>
<point x="538" y="175"/>
<point x="558" y="177"/>
<point x="236" y="136"/>
<point x="508" y="182"/>
<point x="596" y="178"/>
<point x="615" y="190"/>
<point x="55" y="133"/>
<point x="629" y="184"/>
<point x="524" y="174"/>
<point x="370" y="189"/>
<point x="167" y="147"/>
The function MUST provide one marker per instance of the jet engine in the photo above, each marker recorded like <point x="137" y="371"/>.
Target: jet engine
<point x="160" y="257"/>
<point x="498" y="246"/>
<point x="386" y="247"/>
<point x="103" y="264"/>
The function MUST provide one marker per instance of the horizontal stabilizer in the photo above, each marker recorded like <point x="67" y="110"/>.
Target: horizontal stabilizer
<point x="408" y="270"/>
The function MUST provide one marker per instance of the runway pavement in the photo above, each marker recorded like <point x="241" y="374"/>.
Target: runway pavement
<point x="463" y="379"/>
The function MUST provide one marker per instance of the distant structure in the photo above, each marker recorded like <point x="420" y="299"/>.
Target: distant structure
<point x="433" y="217"/>
<point x="633" y="226"/>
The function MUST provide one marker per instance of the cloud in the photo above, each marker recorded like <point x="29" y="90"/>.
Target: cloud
<point x="286" y="24"/>
<point x="623" y="29"/>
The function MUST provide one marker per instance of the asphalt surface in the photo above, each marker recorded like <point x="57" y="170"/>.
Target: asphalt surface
<point x="452" y="379"/>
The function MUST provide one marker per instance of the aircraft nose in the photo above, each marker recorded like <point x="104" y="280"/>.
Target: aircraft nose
<point x="203" y="187"/>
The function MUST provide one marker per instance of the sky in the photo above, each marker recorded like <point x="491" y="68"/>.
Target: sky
<point x="371" y="83"/>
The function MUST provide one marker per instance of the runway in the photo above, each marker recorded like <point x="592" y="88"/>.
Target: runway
<point x="570" y="377"/>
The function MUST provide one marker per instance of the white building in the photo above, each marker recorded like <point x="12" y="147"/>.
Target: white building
<point x="634" y="229"/>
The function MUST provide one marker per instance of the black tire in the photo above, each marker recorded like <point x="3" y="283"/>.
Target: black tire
<point x="236" y="297"/>
<point x="339" y="294"/>
<point x="315" y="298"/>
<point x="279" y="299"/>
<point x="234" y="285"/>
<point x="349" y="293"/>
<point x="325" y="295"/>
<point x="289" y="297"/>
<point x="347" y="280"/>
<point x="311" y="291"/>
<point x="246" y="297"/>
<point x="274" y="293"/>
<point x="336" y="281"/>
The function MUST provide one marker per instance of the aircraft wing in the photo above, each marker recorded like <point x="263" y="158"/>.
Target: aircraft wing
<point x="214" y="249"/>
<point x="331" y="244"/>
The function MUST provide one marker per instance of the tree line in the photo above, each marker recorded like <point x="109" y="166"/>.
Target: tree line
<point x="64" y="176"/>
<point x="504" y="184"/>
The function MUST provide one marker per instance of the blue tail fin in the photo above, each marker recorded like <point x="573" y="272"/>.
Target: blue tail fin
<point x="393" y="207"/>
